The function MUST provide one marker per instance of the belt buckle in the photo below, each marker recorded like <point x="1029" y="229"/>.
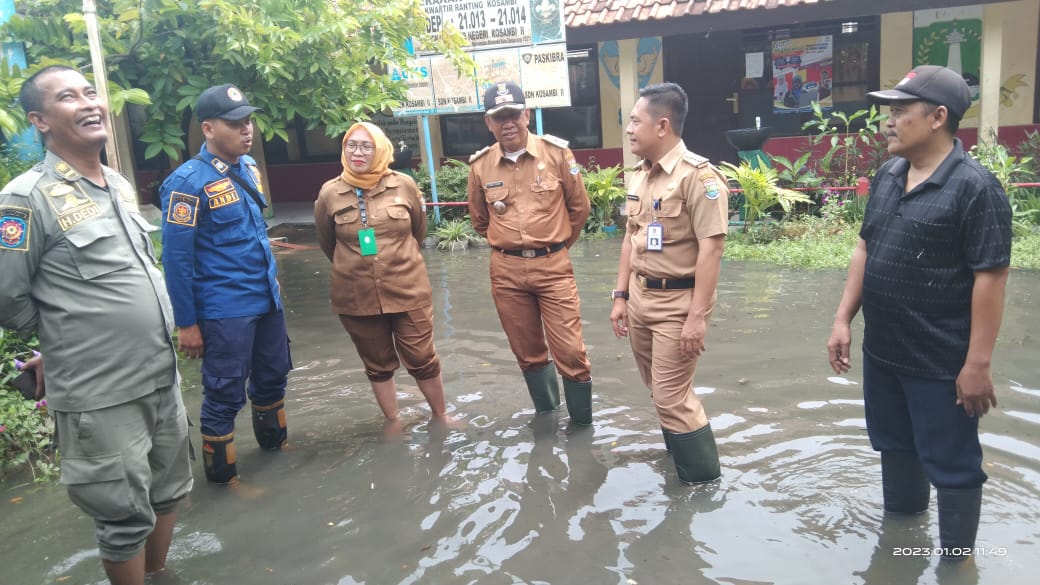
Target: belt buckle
<point x="528" y="253"/>
<point x="641" y="280"/>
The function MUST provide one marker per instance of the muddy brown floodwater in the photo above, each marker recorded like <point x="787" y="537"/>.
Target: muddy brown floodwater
<point x="514" y="498"/>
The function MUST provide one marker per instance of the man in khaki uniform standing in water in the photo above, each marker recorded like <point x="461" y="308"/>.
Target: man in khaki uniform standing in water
<point x="677" y="212"/>
<point x="526" y="196"/>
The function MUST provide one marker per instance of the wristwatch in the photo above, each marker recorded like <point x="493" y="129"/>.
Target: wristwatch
<point x="619" y="294"/>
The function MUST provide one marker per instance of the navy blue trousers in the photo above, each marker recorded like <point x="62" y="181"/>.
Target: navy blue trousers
<point x="921" y="415"/>
<point x="237" y="350"/>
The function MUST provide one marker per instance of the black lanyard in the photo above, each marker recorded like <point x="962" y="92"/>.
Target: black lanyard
<point x="361" y="207"/>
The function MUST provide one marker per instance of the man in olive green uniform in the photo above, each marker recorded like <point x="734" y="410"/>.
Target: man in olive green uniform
<point x="677" y="212"/>
<point x="79" y="269"/>
<point x="526" y="196"/>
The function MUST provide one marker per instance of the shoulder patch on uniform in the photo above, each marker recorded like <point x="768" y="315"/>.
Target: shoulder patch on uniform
<point x="183" y="210"/>
<point x="555" y="140"/>
<point x="15" y="223"/>
<point x="65" y="170"/>
<point x="573" y="165"/>
<point x="256" y="178"/>
<point x="220" y="165"/>
<point x="473" y="157"/>
<point x="711" y="186"/>
<point x="695" y="159"/>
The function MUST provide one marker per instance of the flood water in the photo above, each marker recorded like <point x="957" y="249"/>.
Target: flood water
<point x="514" y="498"/>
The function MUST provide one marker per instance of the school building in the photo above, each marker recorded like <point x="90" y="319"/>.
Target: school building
<point x="738" y="60"/>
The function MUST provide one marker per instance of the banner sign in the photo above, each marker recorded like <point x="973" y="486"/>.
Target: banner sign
<point x="510" y="40"/>
<point x="802" y="74"/>
<point x="498" y="23"/>
<point x="434" y="87"/>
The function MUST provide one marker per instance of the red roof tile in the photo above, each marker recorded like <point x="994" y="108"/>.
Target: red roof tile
<point x="599" y="12"/>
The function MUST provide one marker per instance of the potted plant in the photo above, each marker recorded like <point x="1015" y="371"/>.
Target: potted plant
<point x="606" y="193"/>
<point x="761" y="191"/>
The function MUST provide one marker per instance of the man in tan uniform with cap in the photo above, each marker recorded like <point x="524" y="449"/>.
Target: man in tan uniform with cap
<point x="526" y="196"/>
<point x="677" y="212"/>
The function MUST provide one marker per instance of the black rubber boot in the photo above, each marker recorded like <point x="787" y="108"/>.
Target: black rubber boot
<point x="579" y="401"/>
<point x="696" y="455"/>
<point x="958" y="521"/>
<point x="543" y="388"/>
<point x="667" y="440"/>
<point x="218" y="458"/>
<point x="269" y="426"/>
<point x="904" y="483"/>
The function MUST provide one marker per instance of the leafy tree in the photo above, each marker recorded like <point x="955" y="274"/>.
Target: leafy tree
<point x="318" y="62"/>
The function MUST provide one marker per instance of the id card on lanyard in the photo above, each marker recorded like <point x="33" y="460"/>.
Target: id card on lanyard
<point x="655" y="231"/>
<point x="366" y="235"/>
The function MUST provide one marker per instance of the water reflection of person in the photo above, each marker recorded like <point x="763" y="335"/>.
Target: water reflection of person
<point x="370" y="223"/>
<point x="675" y="538"/>
<point x="897" y="559"/>
<point x="569" y="542"/>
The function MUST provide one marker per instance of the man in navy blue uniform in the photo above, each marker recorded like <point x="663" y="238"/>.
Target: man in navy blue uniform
<point x="929" y="271"/>
<point x="223" y="283"/>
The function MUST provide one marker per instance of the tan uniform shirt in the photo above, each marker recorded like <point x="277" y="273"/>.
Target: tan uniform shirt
<point x="393" y="280"/>
<point x="538" y="201"/>
<point x="694" y="204"/>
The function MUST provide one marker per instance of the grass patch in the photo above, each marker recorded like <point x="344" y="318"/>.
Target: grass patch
<point x="809" y="243"/>
<point x="818" y="244"/>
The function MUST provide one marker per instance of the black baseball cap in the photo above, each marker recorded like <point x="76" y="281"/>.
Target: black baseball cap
<point x="503" y="96"/>
<point x="226" y="102"/>
<point x="932" y="83"/>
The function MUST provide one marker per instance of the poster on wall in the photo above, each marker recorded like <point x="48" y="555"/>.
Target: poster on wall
<point x="951" y="37"/>
<point x="802" y="71"/>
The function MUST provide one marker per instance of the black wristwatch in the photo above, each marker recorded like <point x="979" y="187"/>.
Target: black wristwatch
<point x="619" y="294"/>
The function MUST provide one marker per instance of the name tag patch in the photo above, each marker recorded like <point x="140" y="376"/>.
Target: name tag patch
<point x="14" y="228"/>
<point x="184" y="209"/>
<point x="221" y="193"/>
<point x="493" y="185"/>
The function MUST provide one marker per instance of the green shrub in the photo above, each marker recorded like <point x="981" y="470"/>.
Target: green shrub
<point x="451" y="231"/>
<point x="12" y="165"/>
<point x="606" y="189"/>
<point x="451" y="186"/>
<point x="1010" y="169"/>
<point x="25" y="429"/>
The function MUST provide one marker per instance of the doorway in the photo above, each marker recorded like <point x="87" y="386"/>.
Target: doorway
<point x="709" y="68"/>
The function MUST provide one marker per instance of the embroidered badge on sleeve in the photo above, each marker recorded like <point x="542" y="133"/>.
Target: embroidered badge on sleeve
<point x="184" y="209"/>
<point x="15" y="223"/>
<point x="711" y="187"/>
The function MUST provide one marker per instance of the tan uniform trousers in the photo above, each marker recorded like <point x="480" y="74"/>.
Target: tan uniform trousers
<point x="532" y="293"/>
<point x="410" y="333"/>
<point x="655" y="322"/>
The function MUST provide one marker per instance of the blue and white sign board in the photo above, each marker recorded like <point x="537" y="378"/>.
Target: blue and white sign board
<point x="510" y="40"/>
<point x="499" y="23"/>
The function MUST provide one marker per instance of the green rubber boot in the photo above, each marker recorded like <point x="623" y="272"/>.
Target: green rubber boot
<point x="696" y="456"/>
<point x="543" y="387"/>
<point x="579" y="401"/>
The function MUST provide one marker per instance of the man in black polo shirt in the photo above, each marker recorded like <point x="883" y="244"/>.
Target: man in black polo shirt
<point x="929" y="271"/>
